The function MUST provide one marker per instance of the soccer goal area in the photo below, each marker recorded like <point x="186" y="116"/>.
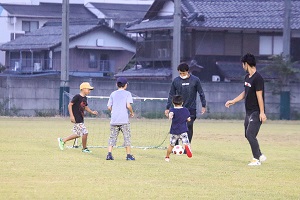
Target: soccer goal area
<point x="149" y="126"/>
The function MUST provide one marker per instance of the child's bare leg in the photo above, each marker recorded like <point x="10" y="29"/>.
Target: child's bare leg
<point x="110" y="148"/>
<point x="84" y="141"/>
<point x="169" y="151"/>
<point x="128" y="149"/>
<point x="70" y="137"/>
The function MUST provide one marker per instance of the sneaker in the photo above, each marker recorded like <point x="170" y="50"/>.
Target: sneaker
<point x="262" y="158"/>
<point x="109" y="157"/>
<point x="188" y="151"/>
<point x="254" y="162"/>
<point x="167" y="159"/>
<point x="86" y="150"/>
<point x="130" y="157"/>
<point x="61" y="144"/>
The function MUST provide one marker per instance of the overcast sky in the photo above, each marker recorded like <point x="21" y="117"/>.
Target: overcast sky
<point x="77" y="1"/>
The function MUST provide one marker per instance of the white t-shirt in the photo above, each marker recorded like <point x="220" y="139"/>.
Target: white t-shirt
<point x="118" y="101"/>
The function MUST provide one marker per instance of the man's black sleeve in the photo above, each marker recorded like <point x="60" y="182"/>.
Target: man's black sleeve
<point x="171" y="94"/>
<point x="201" y="94"/>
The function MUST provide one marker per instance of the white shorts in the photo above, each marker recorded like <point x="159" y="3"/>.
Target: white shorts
<point x="182" y="136"/>
<point x="79" y="129"/>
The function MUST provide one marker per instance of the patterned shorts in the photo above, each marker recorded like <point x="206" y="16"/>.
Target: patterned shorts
<point x="80" y="129"/>
<point x="182" y="136"/>
<point x="114" y="132"/>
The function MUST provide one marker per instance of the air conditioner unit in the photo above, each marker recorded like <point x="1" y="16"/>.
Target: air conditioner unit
<point x="216" y="78"/>
<point x="37" y="67"/>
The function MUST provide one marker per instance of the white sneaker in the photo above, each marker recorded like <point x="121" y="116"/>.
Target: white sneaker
<point x="254" y="162"/>
<point x="262" y="158"/>
<point x="167" y="159"/>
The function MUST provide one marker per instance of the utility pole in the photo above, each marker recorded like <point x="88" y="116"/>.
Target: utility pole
<point x="176" y="38"/>
<point x="64" y="78"/>
<point x="287" y="29"/>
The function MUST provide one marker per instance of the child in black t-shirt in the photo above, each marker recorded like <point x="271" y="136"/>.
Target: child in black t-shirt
<point x="179" y="115"/>
<point x="76" y="108"/>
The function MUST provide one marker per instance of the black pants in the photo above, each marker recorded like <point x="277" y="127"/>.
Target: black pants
<point x="190" y="125"/>
<point x="252" y="125"/>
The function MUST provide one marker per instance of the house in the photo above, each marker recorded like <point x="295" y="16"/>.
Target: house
<point x="213" y="33"/>
<point x="18" y="19"/>
<point x="118" y="14"/>
<point x="96" y="50"/>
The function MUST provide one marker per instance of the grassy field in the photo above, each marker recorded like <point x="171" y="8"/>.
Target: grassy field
<point x="33" y="167"/>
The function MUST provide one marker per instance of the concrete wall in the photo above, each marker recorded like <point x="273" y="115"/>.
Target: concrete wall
<point x="41" y="93"/>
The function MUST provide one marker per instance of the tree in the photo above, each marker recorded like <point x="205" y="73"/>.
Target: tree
<point x="285" y="71"/>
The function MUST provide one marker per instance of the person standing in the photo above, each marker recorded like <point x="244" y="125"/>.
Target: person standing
<point x="254" y="104"/>
<point x="119" y="104"/>
<point x="187" y="86"/>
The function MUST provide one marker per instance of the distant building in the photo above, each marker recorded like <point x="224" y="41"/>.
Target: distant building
<point x="95" y="50"/>
<point x="18" y="19"/>
<point x="118" y="15"/>
<point x="214" y="33"/>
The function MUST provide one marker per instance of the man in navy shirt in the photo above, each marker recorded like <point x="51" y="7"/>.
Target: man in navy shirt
<point x="180" y="116"/>
<point x="187" y="85"/>
<point x="254" y="104"/>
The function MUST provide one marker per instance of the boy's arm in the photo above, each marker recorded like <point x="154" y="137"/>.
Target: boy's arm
<point x="72" y="118"/>
<point x="262" y="115"/>
<point x="94" y="112"/>
<point x="129" y="107"/>
<point x="235" y="100"/>
<point x="109" y="108"/>
<point x="171" y="115"/>
<point x="189" y="119"/>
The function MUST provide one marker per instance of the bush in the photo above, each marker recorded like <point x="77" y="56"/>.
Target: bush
<point x="45" y="113"/>
<point x="5" y="111"/>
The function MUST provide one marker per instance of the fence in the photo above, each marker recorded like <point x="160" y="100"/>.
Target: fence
<point x="39" y="95"/>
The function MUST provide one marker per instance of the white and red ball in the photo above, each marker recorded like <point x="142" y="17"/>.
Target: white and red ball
<point x="178" y="150"/>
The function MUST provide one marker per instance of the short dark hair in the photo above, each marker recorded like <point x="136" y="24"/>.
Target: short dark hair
<point x="250" y="59"/>
<point x="121" y="85"/>
<point x="183" y="67"/>
<point x="177" y="100"/>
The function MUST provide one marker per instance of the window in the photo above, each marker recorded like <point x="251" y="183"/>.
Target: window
<point x="93" y="61"/>
<point x="104" y="63"/>
<point x="29" y="26"/>
<point x="270" y="45"/>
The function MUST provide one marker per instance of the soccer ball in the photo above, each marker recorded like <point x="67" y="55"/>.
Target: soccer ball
<point x="178" y="150"/>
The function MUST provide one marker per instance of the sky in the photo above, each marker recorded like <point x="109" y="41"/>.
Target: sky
<point x="77" y="1"/>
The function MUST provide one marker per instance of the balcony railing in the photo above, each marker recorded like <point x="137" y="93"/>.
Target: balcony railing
<point x="40" y="65"/>
<point x="154" y="50"/>
<point x="30" y="66"/>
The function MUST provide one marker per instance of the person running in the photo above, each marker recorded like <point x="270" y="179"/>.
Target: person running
<point x="76" y="108"/>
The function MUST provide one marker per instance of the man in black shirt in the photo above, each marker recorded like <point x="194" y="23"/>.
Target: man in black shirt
<point x="187" y="86"/>
<point x="254" y="104"/>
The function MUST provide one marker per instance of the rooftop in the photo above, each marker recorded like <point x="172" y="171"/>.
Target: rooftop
<point x="47" y="10"/>
<point x="224" y="14"/>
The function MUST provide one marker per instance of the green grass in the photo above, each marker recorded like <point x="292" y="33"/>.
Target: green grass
<point x="33" y="167"/>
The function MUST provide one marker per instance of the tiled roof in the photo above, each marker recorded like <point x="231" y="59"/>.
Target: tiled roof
<point x="50" y="35"/>
<point x="146" y="73"/>
<point x="228" y="14"/>
<point x="122" y="12"/>
<point x="47" y="10"/>
<point x="234" y="71"/>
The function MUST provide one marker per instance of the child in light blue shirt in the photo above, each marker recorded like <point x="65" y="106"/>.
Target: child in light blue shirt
<point x="119" y="104"/>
